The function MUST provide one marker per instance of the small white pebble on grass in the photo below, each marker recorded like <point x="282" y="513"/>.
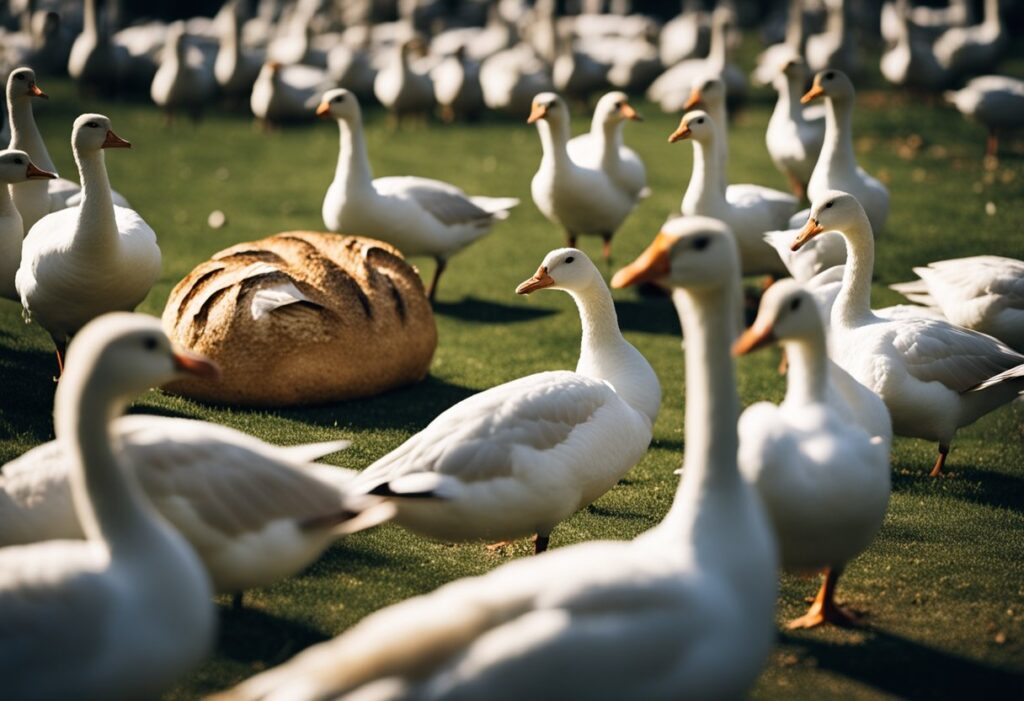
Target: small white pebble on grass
<point x="990" y="208"/>
<point x="217" y="219"/>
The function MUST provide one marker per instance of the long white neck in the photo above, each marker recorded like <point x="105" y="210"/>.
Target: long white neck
<point x="853" y="304"/>
<point x="790" y="91"/>
<point x="992" y="18"/>
<point x="807" y="377"/>
<point x="835" y="23"/>
<point x="837" y="150"/>
<point x="608" y="135"/>
<point x="704" y="193"/>
<point x="97" y="206"/>
<point x="90" y="22"/>
<point x="25" y="134"/>
<point x="712" y="408"/>
<point x="718" y="52"/>
<point x="720" y="116"/>
<point x="795" y="26"/>
<point x="11" y="235"/>
<point x="353" y="170"/>
<point x="107" y="499"/>
<point x="553" y="140"/>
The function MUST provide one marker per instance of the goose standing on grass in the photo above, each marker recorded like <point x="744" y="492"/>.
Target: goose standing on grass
<point x="909" y="61"/>
<point x="84" y="261"/>
<point x="421" y="217"/>
<point x="792" y="46"/>
<point x="127" y="612"/>
<point x="284" y="93"/>
<point x="235" y="68"/>
<point x="602" y="147"/>
<point x="456" y="81"/>
<point x="994" y="101"/>
<point x="685" y="610"/>
<point x="684" y="36"/>
<point x="934" y="377"/>
<point x="837" y="167"/>
<point x="181" y="83"/>
<point x="794" y="136"/>
<point x="255" y="513"/>
<point x="521" y="457"/>
<point x="747" y="212"/>
<point x="582" y="200"/>
<point x="982" y="293"/>
<point x="400" y="87"/>
<point x="973" y="49"/>
<point x="15" y="167"/>
<point x="823" y="475"/>
<point x="95" y="61"/>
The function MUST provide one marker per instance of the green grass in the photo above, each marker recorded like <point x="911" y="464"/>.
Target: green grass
<point x="943" y="585"/>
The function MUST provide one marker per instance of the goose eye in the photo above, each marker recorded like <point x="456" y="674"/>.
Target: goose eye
<point x="92" y="125"/>
<point x="701" y="242"/>
<point x="700" y="121"/>
<point x="19" y="162"/>
<point x="149" y="343"/>
<point x="830" y="75"/>
<point x="20" y="76"/>
<point x="828" y="205"/>
<point x="618" y="105"/>
<point x="570" y="259"/>
<point x="795" y="304"/>
<point x="339" y="98"/>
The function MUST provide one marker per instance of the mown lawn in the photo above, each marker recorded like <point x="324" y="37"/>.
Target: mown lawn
<point x="943" y="585"/>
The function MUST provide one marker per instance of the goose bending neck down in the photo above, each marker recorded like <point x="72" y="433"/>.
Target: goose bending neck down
<point x="129" y="609"/>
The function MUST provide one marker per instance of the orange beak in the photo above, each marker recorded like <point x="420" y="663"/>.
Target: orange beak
<point x="539" y="281"/>
<point x="693" y="100"/>
<point x="683" y="132"/>
<point x="538" y="111"/>
<point x="814" y="92"/>
<point x="34" y="173"/>
<point x="628" y="112"/>
<point x="34" y="91"/>
<point x="652" y="264"/>
<point x="323" y="110"/>
<point x="811" y="229"/>
<point x="195" y="364"/>
<point x="114" y="141"/>
<point x="752" y="339"/>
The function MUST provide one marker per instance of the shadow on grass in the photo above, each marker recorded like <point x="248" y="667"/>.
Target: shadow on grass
<point x="28" y="390"/>
<point x="250" y="636"/>
<point x="966" y="483"/>
<point x="648" y="315"/>
<point x="909" y="669"/>
<point x="484" y="311"/>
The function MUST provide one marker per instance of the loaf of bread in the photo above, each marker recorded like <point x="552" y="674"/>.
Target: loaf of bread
<point x="303" y="318"/>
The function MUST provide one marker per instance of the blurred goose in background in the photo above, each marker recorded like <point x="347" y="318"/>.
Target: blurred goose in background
<point x="973" y="49"/>
<point x="835" y="47"/>
<point x="457" y="88"/>
<point x="181" y="83"/>
<point x="933" y="376"/>
<point x="84" y="261"/>
<point x="521" y="457"/>
<point x="909" y="60"/>
<point x="837" y="167"/>
<point x="285" y="93"/>
<point x="576" y="74"/>
<point x="510" y="79"/>
<point x="401" y="87"/>
<point x="994" y="101"/>
<point x="126" y="612"/>
<point x="672" y="88"/>
<point x="748" y="212"/>
<point x="95" y="61"/>
<point x="795" y="135"/>
<point x="982" y="293"/>
<point x="582" y="200"/>
<point x="351" y="68"/>
<point x="235" y="67"/>
<point x="686" y="607"/>
<point x="417" y="215"/>
<point x="823" y="475"/>
<point x="686" y="35"/>
<point x="930" y="20"/>
<point x="602" y="146"/>
<point x="792" y="46"/>
<point x="818" y="255"/>
<point x="15" y="167"/>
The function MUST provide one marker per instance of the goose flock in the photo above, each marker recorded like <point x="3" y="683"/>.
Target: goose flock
<point x="116" y="534"/>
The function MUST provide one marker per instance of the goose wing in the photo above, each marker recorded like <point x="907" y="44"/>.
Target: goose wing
<point x="446" y="203"/>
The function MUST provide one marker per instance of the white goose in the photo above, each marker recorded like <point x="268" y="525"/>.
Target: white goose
<point x="582" y="200"/>
<point x="457" y="88"/>
<point x="81" y="262"/>
<point x="602" y="146"/>
<point x="521" y="457"/>
<point x="794" y="136"/>
<point x="835" y="47"/>
<point x="973" y="49"/>
<point x="255" y="513"/>
<point x="994" y="101"/>
<point x="748" y="212"/>
<point x="909" y="60"/>
<point x="400" y="87"/>
<point x="15" y="167"/>
<point x="933" y="20"/>
<point x="933" y="376"/>
<point x="837" y="167"/>
<point x="284" y="93"/>
<point x="823" y="478"/>
<point x="95" y="61"/>
<point x="181" y="83"/>
<point x="235" y="67"/>
<point x="417" y="215"/>
<point x="683" y="611"/>
<point x="792" y="46"/>
<point x="127" y="611"/>
<point x="511" y="78"/>
<point x="684" y="36"/>
<point x="983" y="293"/>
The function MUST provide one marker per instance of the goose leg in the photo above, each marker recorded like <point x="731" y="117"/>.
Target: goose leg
<point x="992" y="144"/>
<point x="940" y="462"/>
<point x="570" y="239"/>
<point x="540" y="543"/>
<point x="606" y="248"/>
<point x="824" y="608"/>
<point x="61" y="346"/>
<point x="796" y="186"/>
<point x="236" y="601"/>
<point x="494" y="547"/>
<point x="447" y="114"/>
<point x="432" y="290"/>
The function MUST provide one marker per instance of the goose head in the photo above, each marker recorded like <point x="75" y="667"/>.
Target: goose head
<point x="696" y="125"/>
<point x="833" y="211"/>
<point x="709" y="90"/>
<point x="566" y="269"/>
<point x="339" y="104"/>
<point x="92" y="132"/>
<point x="17" y="167"/>
<point x="124" y="354"/>
<point x="21" y="84"/>
<point x="830" y="83"/>
<point x="549" y="107"/>
<point x="794" y="69"/>
<point x="614" y="108"/>
<point x="787" y="313"/>
<point x="691" y="252"/>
